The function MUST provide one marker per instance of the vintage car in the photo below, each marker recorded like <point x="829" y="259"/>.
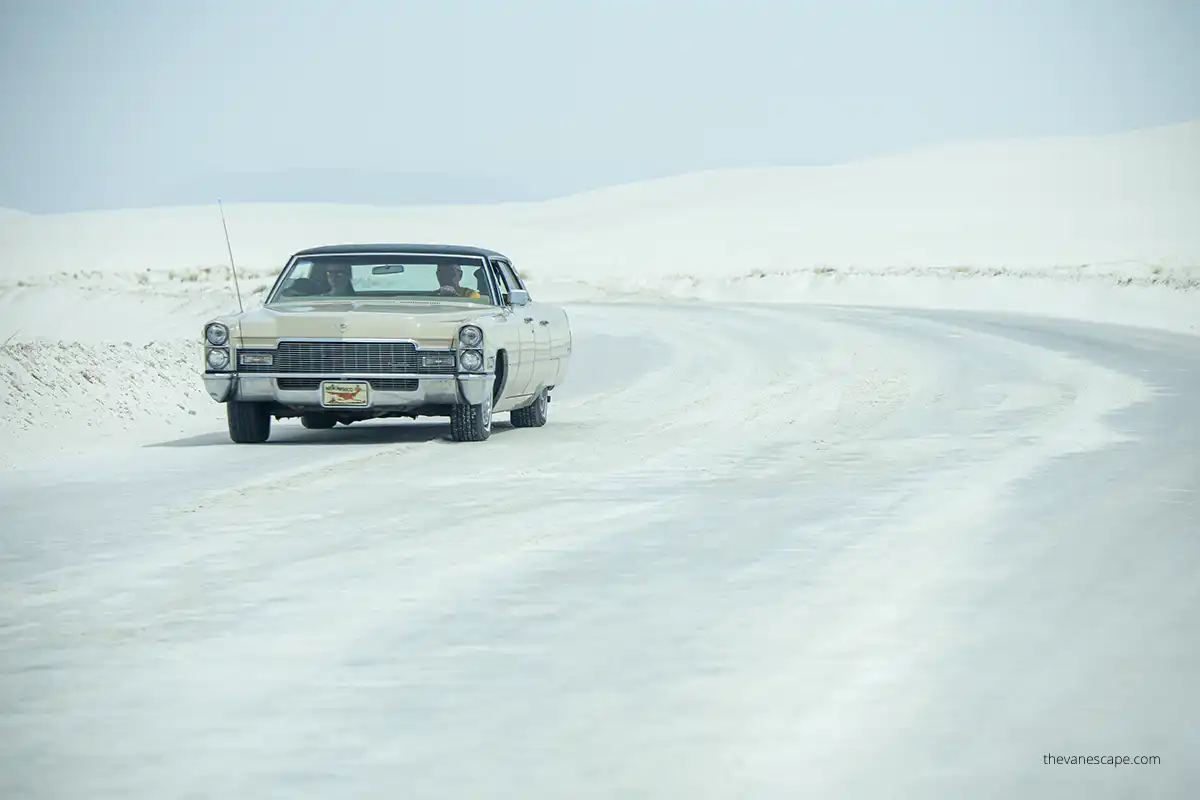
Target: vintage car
<point x="364" y="331"/>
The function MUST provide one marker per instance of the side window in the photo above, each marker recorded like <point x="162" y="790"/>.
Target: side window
<point x="511" y="278"/>
<point x="506" y="284"/>
<point x="517" y="276"/>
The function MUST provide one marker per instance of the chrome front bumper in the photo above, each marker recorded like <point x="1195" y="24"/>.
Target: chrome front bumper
<point x="471" y="389"/>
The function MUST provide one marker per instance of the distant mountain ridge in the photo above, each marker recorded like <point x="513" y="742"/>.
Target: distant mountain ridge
<point x="337" y="186"/>
<point x="345" y="186"/>
<point x="407" y="189"/>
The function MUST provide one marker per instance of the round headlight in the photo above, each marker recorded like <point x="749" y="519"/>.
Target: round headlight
<point x="216" y="333"/>
<point x="471" y="360"/>
<point x="470" y="336"/>
<point x="218" y="358"/>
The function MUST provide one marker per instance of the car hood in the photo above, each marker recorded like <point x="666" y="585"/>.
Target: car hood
<point x="428" y="323"/>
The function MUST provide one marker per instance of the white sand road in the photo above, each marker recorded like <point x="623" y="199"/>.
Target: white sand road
<point x="758" y="551"/>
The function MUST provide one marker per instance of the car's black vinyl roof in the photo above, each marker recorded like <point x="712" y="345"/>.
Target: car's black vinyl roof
<point x="393" y="247"/>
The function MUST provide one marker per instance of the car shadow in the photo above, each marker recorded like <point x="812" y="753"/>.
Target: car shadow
<point x="360" y="433"/>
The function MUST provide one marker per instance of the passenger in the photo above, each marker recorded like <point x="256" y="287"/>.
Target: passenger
<point x="449" y="276"/>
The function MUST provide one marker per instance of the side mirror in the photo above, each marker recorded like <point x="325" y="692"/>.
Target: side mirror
<point x="519" y="297"/>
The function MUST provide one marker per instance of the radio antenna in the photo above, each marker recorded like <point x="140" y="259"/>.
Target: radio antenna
<point x="232" y="266"/>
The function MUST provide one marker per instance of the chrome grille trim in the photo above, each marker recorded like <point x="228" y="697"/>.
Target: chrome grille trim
<point x="353" y="376"/>
<point x="292" y="384"/>
<point x="336" y="358"/>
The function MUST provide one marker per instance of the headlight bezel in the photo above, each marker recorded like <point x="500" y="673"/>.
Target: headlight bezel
<point x="224" y="360"/>
<point x="470" y="337"/>
<point x="466" y="358"/>
<point x="221" y="339"/>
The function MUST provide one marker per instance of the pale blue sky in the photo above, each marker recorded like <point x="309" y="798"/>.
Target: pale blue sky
<point x="130" y="102"/>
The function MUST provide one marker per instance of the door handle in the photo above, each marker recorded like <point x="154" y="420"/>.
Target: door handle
<point x="529" y="319"/>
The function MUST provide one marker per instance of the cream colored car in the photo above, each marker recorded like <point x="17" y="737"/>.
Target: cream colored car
<point x="357" y="332"/>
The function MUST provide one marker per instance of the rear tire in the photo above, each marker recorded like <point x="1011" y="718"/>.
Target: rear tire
<point x="471" y="423"/>
<point x="318" y="421"/>
<point x="249" y="423"/>
<point x="532" y="415"/>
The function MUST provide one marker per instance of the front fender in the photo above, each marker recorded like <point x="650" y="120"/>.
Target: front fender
<point x="220" y="386"/>
<point x="475" y="389"/>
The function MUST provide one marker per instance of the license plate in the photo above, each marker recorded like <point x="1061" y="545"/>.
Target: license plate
<point x="345" y="394"/>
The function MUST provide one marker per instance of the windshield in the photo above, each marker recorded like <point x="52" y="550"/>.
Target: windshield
<point x="385" y="277"/>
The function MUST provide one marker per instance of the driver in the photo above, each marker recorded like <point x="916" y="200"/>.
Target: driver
<point x="449" y="276"/>
<point x="338" y="275"/>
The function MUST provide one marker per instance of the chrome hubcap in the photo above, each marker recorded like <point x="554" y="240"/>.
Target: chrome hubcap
<point x="487" y="413"/>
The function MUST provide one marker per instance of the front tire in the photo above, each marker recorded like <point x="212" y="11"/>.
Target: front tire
<point x="471" y="423"/>
<point x="249" y="423"/>
<point x="532" y="415"/>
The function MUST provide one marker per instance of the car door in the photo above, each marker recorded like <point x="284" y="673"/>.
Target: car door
<point x="548" y="330"/>
<point x="522" y="365"/>
<point x="554" y="337"/>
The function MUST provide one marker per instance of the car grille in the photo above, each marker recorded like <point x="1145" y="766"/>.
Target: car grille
<point x="345" y="358"/>
<point x="379" y="384"/>
<point x="299" y="384"/>
<point x="394" y="384"/>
